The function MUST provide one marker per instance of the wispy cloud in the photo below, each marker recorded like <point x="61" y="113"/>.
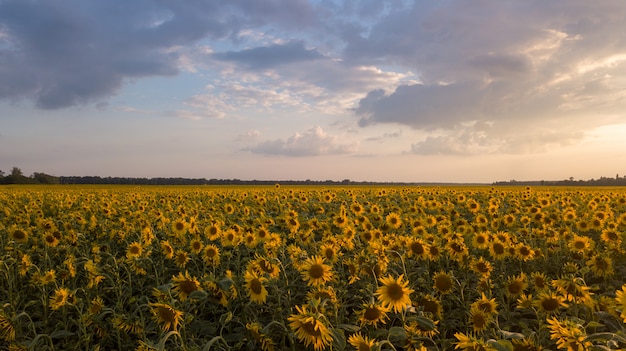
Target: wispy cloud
<point x="313" y="142"/>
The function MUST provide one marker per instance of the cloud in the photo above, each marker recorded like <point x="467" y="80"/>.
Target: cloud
<point x="264" y="57"/>
<point x="67" y="52"/>
<point x="313" y="142"/>
<point x="526" y="70"/>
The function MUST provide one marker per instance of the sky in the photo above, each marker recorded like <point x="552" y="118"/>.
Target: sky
<point x="371" y="90"/>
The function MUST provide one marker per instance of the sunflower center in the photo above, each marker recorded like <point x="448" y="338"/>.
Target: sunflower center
<point x="309" y="328"/>
<point x="19" y="235"/>
<point x="316" y="271"/>
<point x="395" y="292"/>
<point x="601" y="264"/>
<point x="515" y="287"/>
<point x="498" y="248"/>
<point x="180" y="226"/>
<point x="550" y="304"/>
<point x="443" y="283"/>
<point x="188" y="286"/>
<point x="256" y="287"/>
<point x="417" y="248"/>
<point x="579" y="244"/>
<point x="371" y="314"/>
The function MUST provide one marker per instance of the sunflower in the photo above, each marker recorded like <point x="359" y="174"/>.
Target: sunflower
<point x="393" y="220"/>
<point x="361" y="343"/>
<point x="457" y="249"/>
<point x="372" y="314"/>
<point x="524" y="252"/>
<point x="51" y="240"/>
<point x="479" y="320"/>
<point x="255" y="287"/>
<point x="323" y="293"/>
<point x="167" y="249"/>
<point x="134" y="250"/>
<point x="212" y="232"/>
<point x="263" y="265"/>
<point x="315" y="272"/>
<point x="184" y="284"/>
<point x="182" y="258"/>
<point x="539" y="280"/>
<point x="581" y="244"/>
<point x="179" y="227"/>
<point x="211" y="255"/>
<point x="25" y="264"/>
<point x="443" y="282"/>
<point x="196" y="246"/>
<point x="573" y="289"/>
<point x="525" y="344"/>
<point x="549" y="302"/>
<point x="430" y="304"/>
<point x="59" y="298"/>
<point x="329" y="251"/>
<point x="417" y="248"/>
<point x="485" y="304"/>
<point x="480" y="240"/>
<point x="7" y="327"/>
<point x="481" y="267"/>
<point x="601" y="265"/>
<point x="620" y="299"/>
<point x="469" y="342"/>
<point x="568" y="334"/>
<point x="498" y="250"/>
<point x="310" y="328"/>
<point x="394" y="293"/>
<point x="166" y="315"/>
<point x="19" y="235"/>
<point x="516" y="285"/>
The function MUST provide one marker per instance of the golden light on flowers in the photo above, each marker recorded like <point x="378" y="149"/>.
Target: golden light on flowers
<point x="372" y="314"/>
<point x="179" y="227"/>
<point x="134" y="250"/>
<point x="310" y="328"/>
<point x="394" y="293"/>
<point x="360" y="342"/>
<point x="485" y="304"/>
<point x="549" y="302"/>
<point x="184" y="285"/>
<point x="166" y="315"/>
<point x="211" y="255"/>
<point x="19" y="235"/>
<point x="59" y="298"/>
<point x="393" y="220"/>
<point x="569" y="335"/>
<point x="479" y="320"/>
<point x="315" y="272"/>
<point x="255" y="286"/>
<point x="601" y="265"/>
<point x="443" y="282"/>
<point x="620" y="299"/>
<point x="7" y="328"/>
<point x="516" y="285"/>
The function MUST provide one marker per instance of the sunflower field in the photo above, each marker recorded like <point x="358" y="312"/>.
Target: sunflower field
<point x="312" y="268"/>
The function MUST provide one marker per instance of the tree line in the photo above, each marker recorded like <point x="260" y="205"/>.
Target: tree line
<point x="16" y="176"/>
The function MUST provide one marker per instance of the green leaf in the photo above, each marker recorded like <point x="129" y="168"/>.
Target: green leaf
<point x="198" y="295"/>
<point x="349" y="327"/>
<point x="339" y="339"/>
<point x="60" y="334"/>
<point x="225" y="284"/>
<point x="510" y="335"/>
<point x="396" y="335"/>
<point x="425" y="323"/>
<point x="225" y="318"/>
<point x="500" y="345"/>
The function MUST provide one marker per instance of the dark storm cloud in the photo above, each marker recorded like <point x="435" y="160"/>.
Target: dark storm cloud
<point x="63" y="53"/>
<point x="271" y="56"/>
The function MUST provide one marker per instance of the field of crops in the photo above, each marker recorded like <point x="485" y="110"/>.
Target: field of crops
<point x="316" y="268"/>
